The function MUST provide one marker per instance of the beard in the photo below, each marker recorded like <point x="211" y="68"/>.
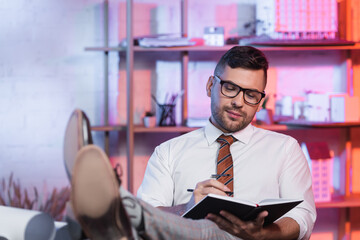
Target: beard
<point x="229" y="124"/>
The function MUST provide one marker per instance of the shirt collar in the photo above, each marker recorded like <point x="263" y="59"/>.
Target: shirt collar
<point x="212" y="133"/>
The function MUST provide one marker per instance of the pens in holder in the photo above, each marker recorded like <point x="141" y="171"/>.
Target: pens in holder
<point x="227" y="192"/>
<point x="220" y="175"/>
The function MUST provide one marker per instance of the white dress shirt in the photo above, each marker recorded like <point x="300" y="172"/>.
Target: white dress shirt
<point x="266" y="165"/>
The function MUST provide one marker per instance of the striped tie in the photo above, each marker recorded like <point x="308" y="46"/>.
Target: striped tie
<point x="225" y="162"/>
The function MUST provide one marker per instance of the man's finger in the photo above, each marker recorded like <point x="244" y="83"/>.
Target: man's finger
<point x="211" y="186"/>
<point x="231" y="218"/>
<point x="213" y="183"/>
<point x="221" y="222"/>
<point x="261" y="218"/>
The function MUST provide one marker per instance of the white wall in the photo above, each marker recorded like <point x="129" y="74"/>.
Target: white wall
<point x="44" y="74"/>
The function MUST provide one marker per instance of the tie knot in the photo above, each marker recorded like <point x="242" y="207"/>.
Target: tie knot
<point x="229" y="139"/>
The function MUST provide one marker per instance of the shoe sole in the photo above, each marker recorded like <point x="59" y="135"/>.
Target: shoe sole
<point x="76" y="136"/>
<point x="95" y="196"/>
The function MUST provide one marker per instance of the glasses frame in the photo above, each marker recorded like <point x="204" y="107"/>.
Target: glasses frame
<point x="241" y="89"/>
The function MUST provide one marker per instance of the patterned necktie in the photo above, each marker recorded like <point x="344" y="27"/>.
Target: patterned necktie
<point x="225" y="162"/>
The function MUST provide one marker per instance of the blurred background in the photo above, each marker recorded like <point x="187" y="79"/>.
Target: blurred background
<point x="49" y="66"/>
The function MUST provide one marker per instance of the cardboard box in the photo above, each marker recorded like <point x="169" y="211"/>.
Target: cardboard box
<point x="321" y="166"/>
<point x="317" y="107"/>
<point x="214" y="36"/>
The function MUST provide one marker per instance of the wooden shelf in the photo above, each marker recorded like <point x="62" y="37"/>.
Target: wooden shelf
<point x="281" y="126"/>
<point x="225" y="48"/>
<point x="273" y="127"/>
<point x="183" y="129"/>
<point x="174" y="129"/>
<point x="143" y="129"/>
<point x="307" y="124"/>
<point x="340" y="202"/>
<point x="108" y="128"/>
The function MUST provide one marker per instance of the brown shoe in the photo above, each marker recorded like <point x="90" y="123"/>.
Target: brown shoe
<point x="95" y="196"/>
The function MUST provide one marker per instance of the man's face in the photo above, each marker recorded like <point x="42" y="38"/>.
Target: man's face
<point x="234" y="114"/>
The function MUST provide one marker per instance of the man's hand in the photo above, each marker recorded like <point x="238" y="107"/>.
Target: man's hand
<point x="284" y="228"/>
<point x="201" y="190"/>
<point x="208" y="186"/>
<point x="235" y="226"/>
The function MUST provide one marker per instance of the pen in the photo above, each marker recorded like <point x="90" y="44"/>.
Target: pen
<point x="191" y="190"/>
<point x="154" y="98"/>
<point x="220" y="175"/>
<point x="176" y="96"/>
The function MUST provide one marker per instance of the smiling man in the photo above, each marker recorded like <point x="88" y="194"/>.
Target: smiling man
<point x="229" y="156"/>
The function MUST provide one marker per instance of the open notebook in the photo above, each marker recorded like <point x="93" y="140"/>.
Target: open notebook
<point x="243" y="209"/>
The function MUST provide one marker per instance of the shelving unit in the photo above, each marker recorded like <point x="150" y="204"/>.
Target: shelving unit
<point x="344" y="203"/>
<point x="356" y="46"/>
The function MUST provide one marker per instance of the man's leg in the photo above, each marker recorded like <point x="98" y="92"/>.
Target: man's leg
<point x="95" y="196"/>
<point x="158" y="224"/>
<point x="105" y="209"/>
<point x="162" y="225"/>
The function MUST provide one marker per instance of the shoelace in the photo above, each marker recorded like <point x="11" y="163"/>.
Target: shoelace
<point x="118" y="173"/>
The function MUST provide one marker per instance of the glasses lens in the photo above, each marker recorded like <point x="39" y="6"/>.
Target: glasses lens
<point x="229" y="89"/>
<point x="252" y="97"/>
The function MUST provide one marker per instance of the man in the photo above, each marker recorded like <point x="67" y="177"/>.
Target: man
<point x="264" y="164"/>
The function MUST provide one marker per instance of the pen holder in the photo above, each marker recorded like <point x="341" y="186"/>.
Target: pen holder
<point x="166" y="115"/>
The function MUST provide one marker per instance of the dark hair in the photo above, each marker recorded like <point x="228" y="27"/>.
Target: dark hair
<point x="243" y="57"/>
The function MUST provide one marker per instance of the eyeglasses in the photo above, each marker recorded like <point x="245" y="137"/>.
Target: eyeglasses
<point x="231" y="90"/>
